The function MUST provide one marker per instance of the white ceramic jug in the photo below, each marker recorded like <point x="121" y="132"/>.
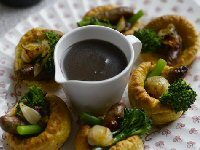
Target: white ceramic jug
<point x="95" y="96"/>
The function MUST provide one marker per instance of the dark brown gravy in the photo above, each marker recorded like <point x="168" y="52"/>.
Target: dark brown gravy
<point x="93" y="60"/>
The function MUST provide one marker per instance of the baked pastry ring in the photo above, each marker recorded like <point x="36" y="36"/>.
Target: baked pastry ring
<point x="101" y="9"/>
<point x="139" y="98"/>
<point x="53" y="137"/>
<point x="188" y="33"/>
<point x="35" y="40"/>
<point x="131" y="143"/>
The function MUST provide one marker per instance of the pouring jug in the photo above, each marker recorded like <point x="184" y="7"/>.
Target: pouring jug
<point x="95" y="96"/>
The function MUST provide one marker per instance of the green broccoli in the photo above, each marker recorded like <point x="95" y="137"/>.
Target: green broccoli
<point x="151" y="41"/>
<point x="94" y="21"/>
<point x="34" y="97"/>
<point x="135" y="122"/>
<point x="53" y="38"/>
<point x="180" y="96"/>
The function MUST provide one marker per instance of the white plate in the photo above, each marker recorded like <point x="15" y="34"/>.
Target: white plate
<point x="179" y="135"/>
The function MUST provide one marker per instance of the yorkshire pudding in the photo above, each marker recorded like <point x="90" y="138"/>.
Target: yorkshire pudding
<point x="139" y="98"/>
<point x="56" y="133"/>
<point x="187" y="32"/>
<point x="131" y="143"/>
<point x="34" y="55"/>
<point x="113" y="13"/>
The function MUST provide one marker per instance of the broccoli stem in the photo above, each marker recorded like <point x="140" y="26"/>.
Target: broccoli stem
<point x="158" y="68"/>
<point x="136" y="17"/>
<point x="91" y="120"/>
<point x="29" y="129"/>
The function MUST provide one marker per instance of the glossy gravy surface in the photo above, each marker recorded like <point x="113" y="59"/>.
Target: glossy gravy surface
<point x="93" y="60"/>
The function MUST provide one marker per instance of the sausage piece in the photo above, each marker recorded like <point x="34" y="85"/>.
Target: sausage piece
<point x="114" y="116"/>
<point x="115" y="14"/>
<point x="10" y="123"/>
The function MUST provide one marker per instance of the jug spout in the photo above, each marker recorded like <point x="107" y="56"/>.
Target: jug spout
<point x="59" y="76"/>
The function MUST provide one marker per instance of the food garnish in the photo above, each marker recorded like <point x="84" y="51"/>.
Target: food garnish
<point x="53" y="38"/>
<point x="136" y="17"/>
<point x="156" y="86"/>
<point x="34" y="98"/>
<point x="114" y="116"/>
<point x="129" y="122"/>
<point x="180" y="96"/>
<point x="119" y="18"/>
<point x="29" y="129"/>
<point x="166" y="42"/>
<point x="34" y="57"/>
<point x="177" y="73"/>
<point x="90" y="119"/>
<point x="158" y="68"/>
<point x="31" y="114"/>
<point x="100" y="136"/>
<point x="135" y="122"/>
<point x="151" y="41"/>
<point x="94" y="21"/>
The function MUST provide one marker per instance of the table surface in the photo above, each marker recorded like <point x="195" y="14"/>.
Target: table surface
<point x="10" y="17"/>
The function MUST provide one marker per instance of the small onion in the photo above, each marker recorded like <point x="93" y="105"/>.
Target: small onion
<point x="100" y="136"/>
<point x="156" y="86"/>
<point x="31" y="115"/>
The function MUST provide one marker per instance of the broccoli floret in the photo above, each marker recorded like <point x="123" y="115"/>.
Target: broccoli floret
<point x="34" y="97"/>
<point x="151" y="41"/>
<point x="94" y="21"/>
<point x="180" y="96"/>
<point x="49" y="65"/>
<point x="53" y="38"/>
<point x="135" y="122"/>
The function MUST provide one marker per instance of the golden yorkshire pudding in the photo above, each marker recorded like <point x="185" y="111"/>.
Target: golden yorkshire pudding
<point x="189" y="37"/>
<point x="131" y="143"/>
<point x="34" y="55"/>
<point x="53" y="137"/>
<point x="139" y="98"/>
<point x="115" y="14"/>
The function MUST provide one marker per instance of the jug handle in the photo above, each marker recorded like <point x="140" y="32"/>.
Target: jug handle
<point x="136" y="43"/>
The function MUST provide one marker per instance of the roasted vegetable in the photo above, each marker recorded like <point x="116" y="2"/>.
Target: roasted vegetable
<point x="136" y="17"/>
<point x="94" y="21"/>
<point x="177" y="73"/>
<point x="29" y="129"/>
<point x="171" y="43"/>
<point x="53" y="38"/>
<point x="180" y="96"/>
<point x="121" y="25"/>
<point x="150" y="40"/>
<point x="34" y="98"/>
<point x="156" y="86"/>
<point x="10" y="123"/>
<point x="90" y="120"/>
<point x="135" y="122"/>
<point x="114" y="116"/>
<point x="115" y="14"/>
<point x="158" y="68"/>
<point x="100" y="136"/>
<point x="30" y="114"/>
